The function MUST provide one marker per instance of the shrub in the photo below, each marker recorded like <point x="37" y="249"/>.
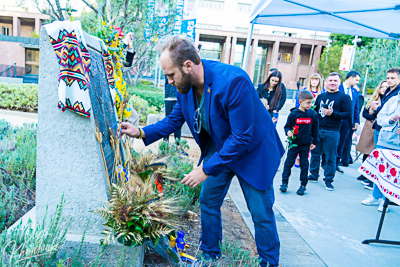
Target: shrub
<point x="22" y="97"/>
<point x="17" y="171"/>
<point x="142" y="107"/>
<point x="155" y="97"/>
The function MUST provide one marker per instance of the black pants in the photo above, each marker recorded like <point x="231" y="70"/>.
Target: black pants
<point x="302" y="150"/>
<point x="346" y="155"/>
<point x="345" y="129"/>
<point x="169" y="107"/>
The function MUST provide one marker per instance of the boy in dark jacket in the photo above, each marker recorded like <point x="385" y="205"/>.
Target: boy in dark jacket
<point x="302" y="123"/>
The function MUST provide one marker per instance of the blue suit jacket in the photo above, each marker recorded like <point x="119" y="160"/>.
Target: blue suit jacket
<point x="354" y="101"/>
<point x="240" y="126"/>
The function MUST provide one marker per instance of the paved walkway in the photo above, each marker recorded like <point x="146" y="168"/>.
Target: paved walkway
<point x="334" y="223"/>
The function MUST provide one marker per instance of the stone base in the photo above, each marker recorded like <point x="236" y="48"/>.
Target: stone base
<point x="153" y="118"/>
<point x="114" y="254"/>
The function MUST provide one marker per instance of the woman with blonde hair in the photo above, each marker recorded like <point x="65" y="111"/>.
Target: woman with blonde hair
<point x="314" y="86"/>
<point x="367" y="139"/>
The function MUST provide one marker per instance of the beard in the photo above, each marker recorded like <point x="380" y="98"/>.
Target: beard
<point x="186" y="84"/>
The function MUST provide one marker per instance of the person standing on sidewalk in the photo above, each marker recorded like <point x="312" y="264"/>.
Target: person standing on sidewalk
<point x="236" y="137"/>
<point x="303" y="124"/>
<point x="331" y="107"/>
<point x="273" y="91"/>
<point x="349" y="124"/>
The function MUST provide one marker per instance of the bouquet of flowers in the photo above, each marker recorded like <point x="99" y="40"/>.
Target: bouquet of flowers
<point x="289" y="142"/>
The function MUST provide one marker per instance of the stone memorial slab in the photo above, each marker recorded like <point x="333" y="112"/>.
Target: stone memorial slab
<point x="69" y="159"/>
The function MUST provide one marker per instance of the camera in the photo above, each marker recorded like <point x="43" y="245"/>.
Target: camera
<point x="325" y="106"/>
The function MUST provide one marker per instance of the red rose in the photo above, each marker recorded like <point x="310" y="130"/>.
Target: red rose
<point x="376" y="154"/>
<point x="296" y="127"/>
<point x="295" y="131"/>
<point x="381" y="168"/>
<point x="393" y="172"/>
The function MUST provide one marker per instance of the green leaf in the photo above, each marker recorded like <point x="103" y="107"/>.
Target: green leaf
<point x="144" y="175"/>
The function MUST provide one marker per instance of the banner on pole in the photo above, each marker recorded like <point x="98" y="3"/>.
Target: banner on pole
<point x="345" y="61"/>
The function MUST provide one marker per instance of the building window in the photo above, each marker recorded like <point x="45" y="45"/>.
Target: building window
<point x="214" y="27"/>
<point x="299" y="59"/>
<point x="243" y="7"/>
<point x="288" y="57"/>
<point x="239" y="54"/>
<point x="239" y="29"/>
<point x="209" y="26"/>
<point x="212" y="4"/>
<point x="319" y="37"/>
<point x="286" y="34"/>
<point x="32" y="61"/>
<point x="201" y="25"/>
<point x="302" y="81"/>
<point x="279" y="56"/>
<point x="211" y="51"/>
<point x="259" y="69"/>
<point x="5" y="31"/>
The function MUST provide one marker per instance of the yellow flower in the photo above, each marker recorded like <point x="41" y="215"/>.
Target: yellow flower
<point x="104" y="23"/>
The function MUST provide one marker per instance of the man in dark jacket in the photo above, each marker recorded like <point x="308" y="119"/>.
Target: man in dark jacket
<point x="170" y="101"/>
<point x="349" y="125"/>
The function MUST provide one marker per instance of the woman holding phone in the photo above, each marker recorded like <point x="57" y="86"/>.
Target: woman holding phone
<point x="273" y="91"/>
<point x="368" y="137"/>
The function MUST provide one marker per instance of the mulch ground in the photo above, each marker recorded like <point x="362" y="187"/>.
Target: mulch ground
<point x="234" y="229"/>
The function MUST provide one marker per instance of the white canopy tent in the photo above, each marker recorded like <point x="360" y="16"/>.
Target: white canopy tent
<point x="369" y="18"/>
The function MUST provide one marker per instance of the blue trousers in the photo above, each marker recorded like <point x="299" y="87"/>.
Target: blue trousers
<point x="259" y="203"/>
<point x="328" y="144"/>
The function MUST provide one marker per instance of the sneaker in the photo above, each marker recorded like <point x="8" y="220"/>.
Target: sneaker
<point x="369" y="186"/>
<point x="312" y="179"/>
<point x="329" y="186"/>
<point x="339" y="170"/>
<point x="361" y="178"/>
<point x="283" y="188"/>
<point x="380" y="208"/>
<point x="370" y="201"/>
<point x="365" y="182"/>
<point x="301" y="190"/>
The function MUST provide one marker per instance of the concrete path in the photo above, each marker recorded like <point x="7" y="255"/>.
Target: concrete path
<point x="18" y="118"/>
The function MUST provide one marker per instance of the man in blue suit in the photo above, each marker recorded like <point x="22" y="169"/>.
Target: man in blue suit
<point x="235" y="134"/>
<point x="348" y="126"/>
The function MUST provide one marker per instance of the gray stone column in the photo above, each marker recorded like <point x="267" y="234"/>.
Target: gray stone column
<point x="38" y="24"/>
<point x="16" y="26"/>
<point x="296" y="55"/>
<point x="233" y="47"/>
<point x="226" y="50"/>
<point x="317" y="56"/>
<point x="274" y="57"/>
<point x="252" y="59"/>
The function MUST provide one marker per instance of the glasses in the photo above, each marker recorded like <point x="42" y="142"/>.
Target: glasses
<point x="197" y="121"/>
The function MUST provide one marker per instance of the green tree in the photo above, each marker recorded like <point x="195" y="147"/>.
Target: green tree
<point x="382" y="54"/>
<point x="330" y="60"/>
<point x="343" y="39"/>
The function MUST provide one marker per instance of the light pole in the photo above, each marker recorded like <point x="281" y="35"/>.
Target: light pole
<point x="366" y="77"/>
<point x="327" y="52"/>
<point x="353" y="54"/>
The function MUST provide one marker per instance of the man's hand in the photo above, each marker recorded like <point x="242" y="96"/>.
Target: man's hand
<point x="194" y="178"/>
<point x="312" y="146"/>
<point x="129" y="130"/>
<point x="394" y="118"/>
<point x="356" y="126"/>
<point x="327" y="112"/>
<point x="289" y="134"/>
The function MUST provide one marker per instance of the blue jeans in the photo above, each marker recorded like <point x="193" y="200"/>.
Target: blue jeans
<point x="328" y="144"/>
<point x="259" y="203"/>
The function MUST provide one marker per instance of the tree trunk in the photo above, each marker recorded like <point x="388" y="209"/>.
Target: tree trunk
<point x="60" y="14"/>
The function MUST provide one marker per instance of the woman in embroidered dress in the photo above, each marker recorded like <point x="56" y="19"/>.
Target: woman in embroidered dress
<point x="273" y="91"/>
<point x="368" y="141"/>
